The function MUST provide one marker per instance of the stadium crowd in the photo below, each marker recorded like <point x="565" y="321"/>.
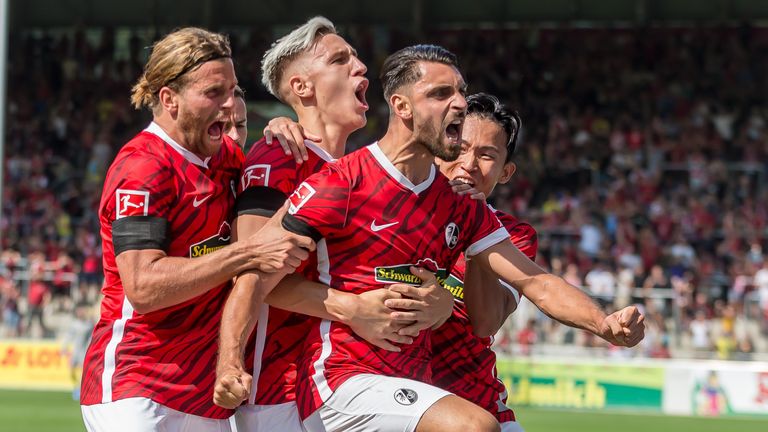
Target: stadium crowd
<point x="641" y="165"/>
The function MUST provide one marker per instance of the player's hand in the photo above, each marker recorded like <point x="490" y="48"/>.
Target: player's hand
<point x="462" y="188"/>
<point x="426" y="306"/>
<point x="233" y="387"/>
<point x="275" y="249"/>
<point x="372" y="320"/>
<point x="624" y="328"/>
<point x="291" y="136"/>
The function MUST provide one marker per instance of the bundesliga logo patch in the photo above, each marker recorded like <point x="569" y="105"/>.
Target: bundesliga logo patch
<point x="131" y="203"/>
<point x="300" y="197"/>
<point x="255" y="175"/>
<point x="406" y="396"/>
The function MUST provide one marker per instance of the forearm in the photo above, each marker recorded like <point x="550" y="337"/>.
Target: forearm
<point x="155" y="281"/>
<point x="240" y="315"/>
<point x="488" y="302"/>
<point x="563" y="302"/>
<point x="297" y="294"/>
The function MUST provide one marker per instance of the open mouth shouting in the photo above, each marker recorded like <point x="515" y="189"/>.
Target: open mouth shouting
<point x="216" y="130"/>
<point x="360" y="94"/>
<point x="453" y="130"/>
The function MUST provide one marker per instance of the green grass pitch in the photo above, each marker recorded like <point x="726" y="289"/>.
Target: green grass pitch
<point x="56" y="411"/>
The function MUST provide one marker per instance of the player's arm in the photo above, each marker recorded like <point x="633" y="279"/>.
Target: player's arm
<point x="559" y="299"/>
<point x="489" y="301"/>
<point x="367" y="314"/>
<point x="152" y="280"/>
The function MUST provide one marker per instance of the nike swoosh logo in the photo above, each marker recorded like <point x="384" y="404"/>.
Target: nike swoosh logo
<point x="196" y="202"/>
<point x="376" y="228"/>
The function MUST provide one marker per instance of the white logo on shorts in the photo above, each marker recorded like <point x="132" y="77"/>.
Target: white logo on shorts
<point x="406" y="396"/>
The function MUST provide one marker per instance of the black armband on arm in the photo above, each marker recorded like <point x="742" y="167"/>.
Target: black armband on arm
<point x="139" y="233"/>
<point x="260" y="201"/>
<point x="298" y="226"/>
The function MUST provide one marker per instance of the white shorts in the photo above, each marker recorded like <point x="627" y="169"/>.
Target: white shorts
<point x="145" y="415"/>
<point x="511" y="427"/>
<point x="263" y="418"/>
<point x="375" y="403"/>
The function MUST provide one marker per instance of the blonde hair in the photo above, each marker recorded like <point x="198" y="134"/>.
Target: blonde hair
<point x="172" y="57"/>
<point x="288" y="47"/>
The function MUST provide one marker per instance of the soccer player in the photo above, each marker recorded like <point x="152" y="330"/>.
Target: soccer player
<point x="237" y="126"/>
<point x="318" y="74"/>
<point x="463" y="363"/>
<point x="380" y="210"/>
<point x="164" y="215"/>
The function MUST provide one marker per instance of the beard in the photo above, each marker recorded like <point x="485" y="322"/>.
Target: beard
<point x="193" y="126"/>
<point x="434" y="141"/>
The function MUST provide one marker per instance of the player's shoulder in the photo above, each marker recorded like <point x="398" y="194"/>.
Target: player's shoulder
<point x="513" y="224"/>
<point x="262" y="153"/>
<point x="145" y="151"/>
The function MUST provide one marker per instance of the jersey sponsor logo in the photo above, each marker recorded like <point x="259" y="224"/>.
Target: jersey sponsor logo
<point x="196" y="202"/>
<point x="255" y="175"/>
<point x="212" y="243"/>
<point x="402" y="273"/>
<point x="406" y="396"/>
<point x="299" y="197"/>
<point x="455" y="286"/>
<point x="131" y="203"/>
<point x="377" y="228"/>
<point x="451" y="235"/>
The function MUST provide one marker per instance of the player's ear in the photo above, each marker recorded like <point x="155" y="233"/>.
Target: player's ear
<point x="301" y="87"/>
<point x="507" y="172"/>
<point x="169" y="100"/>
<point x="401" y="106"/>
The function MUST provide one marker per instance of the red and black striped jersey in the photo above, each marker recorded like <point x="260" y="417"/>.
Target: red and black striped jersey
<point x="372" y="224"/>
<point x="463" y="363"/>
<point x="168" y="355"/>
<point x="279" y="336"/>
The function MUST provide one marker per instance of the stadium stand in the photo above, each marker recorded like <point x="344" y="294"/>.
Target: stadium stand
<point x="643" y="172"/>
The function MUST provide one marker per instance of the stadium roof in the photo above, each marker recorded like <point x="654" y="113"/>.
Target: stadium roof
<point x="412" y="14"/>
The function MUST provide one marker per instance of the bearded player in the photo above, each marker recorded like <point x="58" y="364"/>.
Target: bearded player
<point x="384" y="208"/>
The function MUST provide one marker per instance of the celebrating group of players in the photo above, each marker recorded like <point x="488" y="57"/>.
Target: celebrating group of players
<point x="301" y="289"/>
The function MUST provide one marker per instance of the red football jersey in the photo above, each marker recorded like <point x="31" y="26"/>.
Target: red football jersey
<point x="168" y="355"/>
<point x="280" y="334"/>
<point x="463" y="363"/>
<point x="374" y="225"/>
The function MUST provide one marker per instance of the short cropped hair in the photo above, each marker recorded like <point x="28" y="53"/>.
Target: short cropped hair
<point x="172" y="58"/>
<point x="288" y="47"/>
<point x="401" y="69"/>
<point x="488" y="107"/>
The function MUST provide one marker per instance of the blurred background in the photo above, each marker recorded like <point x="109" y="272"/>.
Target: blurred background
<point x="642" y="164"/>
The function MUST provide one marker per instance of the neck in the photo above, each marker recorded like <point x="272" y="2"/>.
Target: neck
<point x="410" y="157"/>
<point x="334" y="136"/>
<point x="171" y="127"/>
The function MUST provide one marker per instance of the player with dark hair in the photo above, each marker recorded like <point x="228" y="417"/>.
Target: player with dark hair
<point x="237" y="126"/>
<point x="377" y="212"/>
<point x="463" y="362"/>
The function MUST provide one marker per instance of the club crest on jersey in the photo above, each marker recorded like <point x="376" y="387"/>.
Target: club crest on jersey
<point x="212" y="243"/>
<point x="255" y="175"/>
<point x="406" y="396"/>
<point x="131" y="203"/>
<point x="402" y="273"/>
<point x="300" y="196"/>
<point x="451" y="235"/>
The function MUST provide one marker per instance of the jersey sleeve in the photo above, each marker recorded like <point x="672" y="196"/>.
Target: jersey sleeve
<point x="484" y="227"/>
<point x="269" y="177"/>
<point x="140" y="194"/>
<point x="319" y="206"/>
<point x="524" y="236"/>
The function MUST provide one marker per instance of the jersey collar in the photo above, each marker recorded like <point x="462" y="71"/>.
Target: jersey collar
<point x="324" y="155"/>
<point x="393" y="172"/>
<point x="156" y="130"/>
